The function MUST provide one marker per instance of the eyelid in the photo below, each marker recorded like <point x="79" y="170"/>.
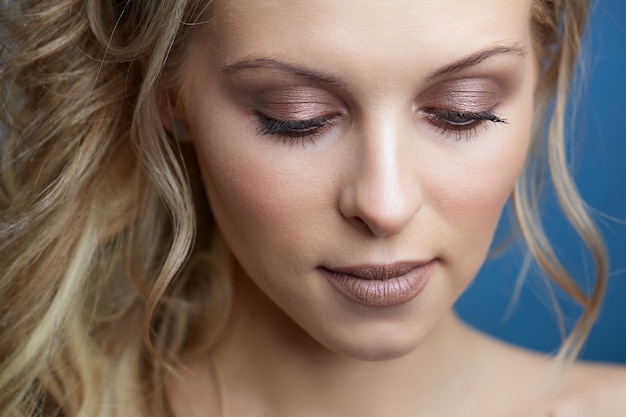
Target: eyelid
<point x="295" y="103"/>
<point x="463" y="95"/>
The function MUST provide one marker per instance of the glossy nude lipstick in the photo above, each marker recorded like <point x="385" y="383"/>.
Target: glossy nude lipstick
<point x="380" y="285"/>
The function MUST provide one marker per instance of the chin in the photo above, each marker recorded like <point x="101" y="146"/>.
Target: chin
<point x="380" y="354"/>
<point x="378" y="347"/>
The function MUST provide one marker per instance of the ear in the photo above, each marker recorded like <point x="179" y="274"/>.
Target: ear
<point x="172" y="121"/>
<point x="167" y="108"/>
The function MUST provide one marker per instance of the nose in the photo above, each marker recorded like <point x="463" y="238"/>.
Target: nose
<point x="382" y="194"/>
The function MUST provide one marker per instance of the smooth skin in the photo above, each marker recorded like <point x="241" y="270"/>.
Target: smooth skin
<point x="332" y="134"/>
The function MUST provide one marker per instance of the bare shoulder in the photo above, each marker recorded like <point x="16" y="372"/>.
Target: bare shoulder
<point x="597" y="390"/>
<point x="602" y="381"/>
<point x="585" y="389"/>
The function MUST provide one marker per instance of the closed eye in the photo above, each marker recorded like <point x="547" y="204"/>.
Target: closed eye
<point x="459" y="122"/>
<point x="295" y="130"/>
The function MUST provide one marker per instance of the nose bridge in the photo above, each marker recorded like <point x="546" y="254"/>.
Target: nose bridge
<point x="385" y="192"/>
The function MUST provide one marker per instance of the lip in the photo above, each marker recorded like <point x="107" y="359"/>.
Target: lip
<point x="380" y="285"/>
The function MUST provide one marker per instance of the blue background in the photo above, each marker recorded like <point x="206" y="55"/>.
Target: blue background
<point x="599" y="165"/>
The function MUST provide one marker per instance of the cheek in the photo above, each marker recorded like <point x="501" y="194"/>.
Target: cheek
<point x="261" y="204"/>
<point x="244" y="195"/>
<point x="483" y="187"/>
<point x="471" y="195"/>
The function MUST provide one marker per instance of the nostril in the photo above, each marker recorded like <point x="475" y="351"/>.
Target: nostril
<point x="359" y="223"/>
<point x="374" y="227"/>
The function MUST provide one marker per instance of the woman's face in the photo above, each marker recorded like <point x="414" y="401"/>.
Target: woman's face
<point x="357" y="154"/>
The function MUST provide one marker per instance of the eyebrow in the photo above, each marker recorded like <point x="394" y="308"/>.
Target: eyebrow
<point x="478" y="57"/>
<point x="270" y="63"/>
<point x="457" y="66"/>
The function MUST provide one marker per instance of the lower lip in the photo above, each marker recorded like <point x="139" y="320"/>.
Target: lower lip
<point x="381" y="293"/>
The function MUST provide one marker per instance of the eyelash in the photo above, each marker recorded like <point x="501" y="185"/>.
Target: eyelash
<point x="460" y="122"/>
<point x="449" y="121"/>
<point x="295" y="131"/>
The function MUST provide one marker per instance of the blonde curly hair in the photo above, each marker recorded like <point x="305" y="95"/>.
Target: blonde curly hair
<point x="98" y="203"/>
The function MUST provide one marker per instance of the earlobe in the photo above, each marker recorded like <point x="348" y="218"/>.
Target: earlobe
<point x="171" y="121"/>
<point x="179" y="130"/>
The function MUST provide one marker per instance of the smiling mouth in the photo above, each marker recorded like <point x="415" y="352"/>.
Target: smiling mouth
<point x="380" y="285"/>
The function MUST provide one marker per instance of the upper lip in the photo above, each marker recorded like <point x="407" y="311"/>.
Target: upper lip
<point x="380" y="272"/>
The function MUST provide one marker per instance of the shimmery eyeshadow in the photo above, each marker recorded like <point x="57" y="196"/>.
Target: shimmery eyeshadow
<point x="464" y="95"/>
<point x="296" y="103"/>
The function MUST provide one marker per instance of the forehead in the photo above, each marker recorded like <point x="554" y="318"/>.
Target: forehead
<point x="369" y="35"/>
<point x="434" y="20"/>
